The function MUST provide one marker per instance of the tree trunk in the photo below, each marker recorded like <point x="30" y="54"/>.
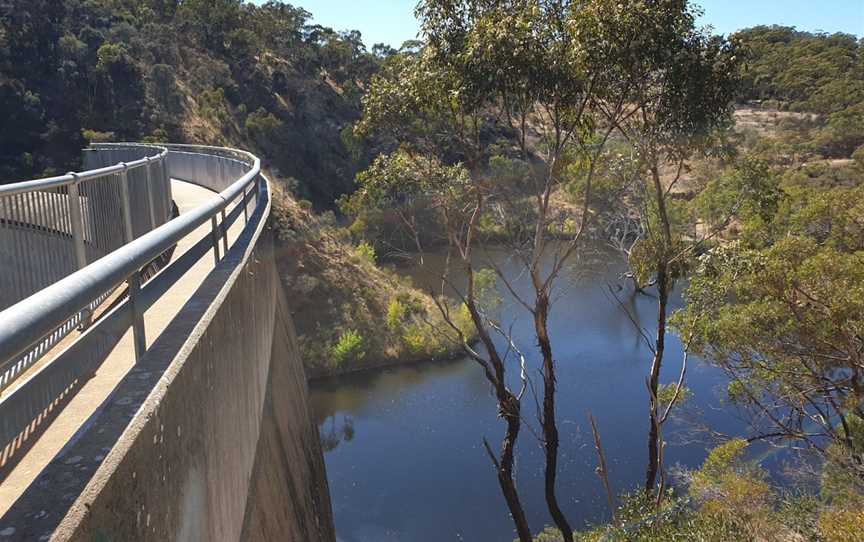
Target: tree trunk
<point x="550" y="425"/>
<point x="510" y="412"/>
<point x="508" y="409"/>
<point x="663" y="287"/>
<point x="654" y="381"/>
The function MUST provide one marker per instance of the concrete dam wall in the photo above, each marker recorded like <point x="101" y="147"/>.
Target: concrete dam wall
<point x="224" y="448"/>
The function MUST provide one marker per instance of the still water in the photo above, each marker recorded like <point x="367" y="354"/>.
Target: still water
<point x="404" y="453"/>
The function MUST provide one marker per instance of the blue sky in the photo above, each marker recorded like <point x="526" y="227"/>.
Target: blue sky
<point x="392" y="21"/>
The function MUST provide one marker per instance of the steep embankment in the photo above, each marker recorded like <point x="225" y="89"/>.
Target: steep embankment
<point x="350" y="313"/>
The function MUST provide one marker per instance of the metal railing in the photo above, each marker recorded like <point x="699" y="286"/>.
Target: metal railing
<point x="25" y="325"/>
<point x="50" y="228"/>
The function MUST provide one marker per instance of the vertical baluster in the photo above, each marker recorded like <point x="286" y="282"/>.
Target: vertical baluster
<point x="11" y="247"/>
<point x="37" y="241"/>
<point x="224" y="233"/>
<point x="148" y="187"/>
<point x="138" y="330"/>
<point x="43" y="204"/>
<point x="214" y="233"/>
<point x="75" y="216"/>
<point x="77" y="224"/>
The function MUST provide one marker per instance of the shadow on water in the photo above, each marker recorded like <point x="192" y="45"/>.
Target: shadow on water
<point x="405" y="458"/>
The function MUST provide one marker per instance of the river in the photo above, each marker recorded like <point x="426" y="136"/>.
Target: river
<point x="404" y="453"/>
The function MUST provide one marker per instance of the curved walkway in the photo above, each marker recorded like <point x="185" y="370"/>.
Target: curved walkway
<point x="80" y="410"/>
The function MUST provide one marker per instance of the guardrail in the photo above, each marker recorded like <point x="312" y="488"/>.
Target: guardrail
<point x="26" y="324"/>
<point x="50" y="228"/>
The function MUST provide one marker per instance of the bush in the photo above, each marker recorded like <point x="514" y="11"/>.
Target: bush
<point x="396" y="313"/>
<point x="109" y="53"/>
<point x="366" y="252"/>
<point x="350" y="347"/>
<point x="858" y="156"/>
<point x="263" y="126"/>
<point x="212" y="104"/>
<point x="95" y="136"/>
<point x="417" y="341"/>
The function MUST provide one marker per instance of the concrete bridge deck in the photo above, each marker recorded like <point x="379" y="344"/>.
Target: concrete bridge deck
<point x="75" y="415"/>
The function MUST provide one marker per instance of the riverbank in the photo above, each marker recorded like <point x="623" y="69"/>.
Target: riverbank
<point x="352" y="315"/>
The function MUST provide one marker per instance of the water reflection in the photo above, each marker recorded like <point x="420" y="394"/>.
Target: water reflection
<point x="334" y="430"/>
<point x="414" y="468"/>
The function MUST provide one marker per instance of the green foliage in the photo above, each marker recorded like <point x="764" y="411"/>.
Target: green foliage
<point x="779" y="306"/>
<point x="349" y="348"/>
<point x="366" y="252"/>
<point x="666" y="394"/>
<point x="811" y="72"/>
<point x="403" y="196"/>
<point x="110" y="54"/>
<point x="802" y="71"/>
<point x="419" y="339"/>
<point x="213" y="105"/>
<point x="211" y="20"/>
<point x="95" y="136"/>
<point x="136" y="67"/>
<point x="396" y="313"/>
<point x="486" y="289"/>
<point x="263" y="126"/>
<point x="858" y="156"/>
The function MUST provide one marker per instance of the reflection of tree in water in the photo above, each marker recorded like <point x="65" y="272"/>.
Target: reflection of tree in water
<point x="333" y="433"/>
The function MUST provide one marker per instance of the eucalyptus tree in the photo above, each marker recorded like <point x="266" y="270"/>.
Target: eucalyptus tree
<point x="557" y="76"/>
<point x="783" y="307"/>
<point x="679" y="84"/>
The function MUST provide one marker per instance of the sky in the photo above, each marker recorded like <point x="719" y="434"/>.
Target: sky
<point x="392" y="21"/>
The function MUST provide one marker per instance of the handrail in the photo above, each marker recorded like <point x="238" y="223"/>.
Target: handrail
<point x="75" y="177"/>
<point x="53" y="227"/>
<point x="30" y="324"/>
<point x="26" y="323"/>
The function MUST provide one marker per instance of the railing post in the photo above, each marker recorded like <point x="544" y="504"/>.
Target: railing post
<point x="139" y="337"/>
<point x="166" y="178"/>
<point x="125" y="203"/>
<point x="224" y="234"/>
<point x="149" y="188"/>
<point x="257" y="189"/>
<point x="138" y="332"/>
<point x="76" y="217"/>
<point x="215" y="236"/>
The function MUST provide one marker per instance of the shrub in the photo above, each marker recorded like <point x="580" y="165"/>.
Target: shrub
<point x="95" y="136"/>
<point x="212" y="104"/>
<point x="396" y="313"/>
<point x="366" y="252"/>
<point x="350" y="347"/>
<point x="416" y="340"/>
<point x="420" y="340"/>
<point x="858" y="156"/>
<point x="263" y="126"/>
<point x="109" y="53"/>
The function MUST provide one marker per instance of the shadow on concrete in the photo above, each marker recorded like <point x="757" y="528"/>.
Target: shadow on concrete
<point x="47" y="500"/>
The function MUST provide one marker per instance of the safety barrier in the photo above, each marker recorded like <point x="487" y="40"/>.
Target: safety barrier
<point x="50" y="228"/>
<point x="25" y="326"/>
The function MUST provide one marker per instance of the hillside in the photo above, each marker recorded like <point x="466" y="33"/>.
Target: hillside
<point x="819" y="74"/>
<point x="220" y="72"/>
<point x="228" y="73"/>
<point x="262" y="77"/>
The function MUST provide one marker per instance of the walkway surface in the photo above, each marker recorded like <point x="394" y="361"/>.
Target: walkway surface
<point x="78" y="413"/>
